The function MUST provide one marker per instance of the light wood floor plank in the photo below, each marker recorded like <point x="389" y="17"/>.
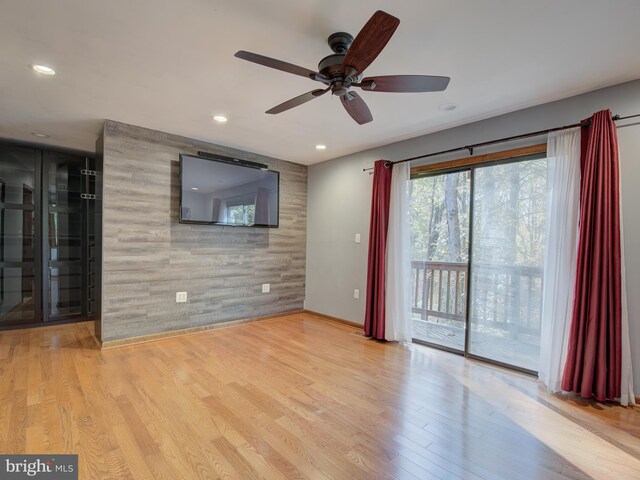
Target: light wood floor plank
<point x="297" y="397"/>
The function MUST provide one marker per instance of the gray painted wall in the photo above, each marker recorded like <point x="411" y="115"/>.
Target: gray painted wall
<point x="148" y="256"/>
<point x="340" y="196"/>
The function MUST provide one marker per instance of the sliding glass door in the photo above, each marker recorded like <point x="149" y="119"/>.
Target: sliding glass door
<point x="477" y="260"/>
<point x="507" y="259"/>
<point x="440" y="255"/>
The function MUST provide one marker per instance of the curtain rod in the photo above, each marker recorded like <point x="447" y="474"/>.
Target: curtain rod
<point x="470" y="148"/>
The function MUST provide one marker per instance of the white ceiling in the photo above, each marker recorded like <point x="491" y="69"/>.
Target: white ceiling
<point x="169" y="65"/>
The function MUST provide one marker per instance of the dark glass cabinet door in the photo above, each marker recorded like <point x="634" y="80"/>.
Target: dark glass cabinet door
<point x="64" y="245"/>
<point x="19" y="236"/>
<point x="47" y="237"/>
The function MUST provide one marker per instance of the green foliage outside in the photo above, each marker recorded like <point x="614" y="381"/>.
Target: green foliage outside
<point x="509" y="215"/>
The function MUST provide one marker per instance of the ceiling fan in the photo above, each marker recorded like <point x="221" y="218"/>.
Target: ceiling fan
<point x="343" y="70"/>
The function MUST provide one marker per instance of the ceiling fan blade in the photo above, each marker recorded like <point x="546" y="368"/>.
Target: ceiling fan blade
<point x="355" y="106"/>
<point x="370" y="41"/>
<point x="299" y="100"/>
<point x="279" y="65"/>
<point x="405" y="83"/>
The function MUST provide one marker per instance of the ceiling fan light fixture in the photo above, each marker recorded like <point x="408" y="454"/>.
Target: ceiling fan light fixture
<point x="321" y="147"/>
<point x="220" y="118"/>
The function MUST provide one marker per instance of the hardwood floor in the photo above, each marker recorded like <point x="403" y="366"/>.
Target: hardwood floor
<point x="296" y="397"/>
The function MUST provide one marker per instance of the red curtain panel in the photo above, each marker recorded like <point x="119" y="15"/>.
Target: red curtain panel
<point x="374" y="314"/>
<point x="594" y="355"/>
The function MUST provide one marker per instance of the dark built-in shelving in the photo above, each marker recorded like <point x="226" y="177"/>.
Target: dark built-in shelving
<point x="49" y="249"/>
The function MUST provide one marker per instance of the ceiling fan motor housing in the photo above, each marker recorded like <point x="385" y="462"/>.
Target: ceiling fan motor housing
<point x="332" y="66"/>
<point x="333" y="69"/>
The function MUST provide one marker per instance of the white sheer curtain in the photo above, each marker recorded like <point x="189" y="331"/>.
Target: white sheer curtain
<point x="627" y="395"/>
<point x="398" y="301"/>
<point x="563" y="206"/>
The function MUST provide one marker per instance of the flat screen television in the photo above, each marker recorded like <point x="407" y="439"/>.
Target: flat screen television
<point x="226" y="191"/>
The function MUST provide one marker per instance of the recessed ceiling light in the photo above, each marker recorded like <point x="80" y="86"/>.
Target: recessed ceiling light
<point x="321" y="147"/>
<point x="43" y="69"/>
<point x="38" y="134"/>
<point x="220" y="118"/>
<point x="194" y="188"/>
<point x="447" y="107"/>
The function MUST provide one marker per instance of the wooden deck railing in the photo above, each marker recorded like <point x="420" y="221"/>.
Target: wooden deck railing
<point x="507" y="298"/>
<point x="439" y="289"/>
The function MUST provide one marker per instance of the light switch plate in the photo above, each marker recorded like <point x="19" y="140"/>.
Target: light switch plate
<point x="181" y="297"/>
<point x="356" y="293"/>
<point x="266" y="287"/>
<point x="357" y="238"/>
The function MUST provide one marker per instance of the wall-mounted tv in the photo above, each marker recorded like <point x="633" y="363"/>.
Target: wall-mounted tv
<point x="218" y="190"/>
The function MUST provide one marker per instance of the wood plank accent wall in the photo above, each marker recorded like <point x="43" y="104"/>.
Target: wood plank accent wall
<point x="148" y="256"/>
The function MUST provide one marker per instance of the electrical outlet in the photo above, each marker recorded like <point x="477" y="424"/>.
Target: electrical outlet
<point x="356" y="293"/>
<point x="181" y="297"/>
<point x="266" y="287"/>
<point x="357" y="238"/>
